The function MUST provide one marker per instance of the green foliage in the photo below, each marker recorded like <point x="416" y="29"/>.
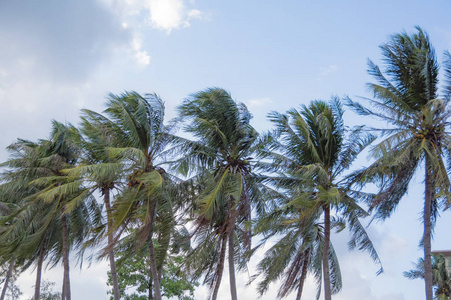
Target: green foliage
<point x="225" y="187"/>
<point x="405" y="97"/>
<point x="47" y="292"/>
<point x="441" y="275"/>
<point x="135" y="279"/>
<point x="13" y="291"/>
<point x="310" y="149"/>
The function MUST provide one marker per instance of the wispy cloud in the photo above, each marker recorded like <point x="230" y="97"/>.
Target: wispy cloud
<point x="254" y="103"/>
<point x="326" y="71"/>
<point x="142" y="58"/>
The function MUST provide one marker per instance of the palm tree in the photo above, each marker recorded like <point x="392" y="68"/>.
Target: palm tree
<point x="311" y="153"/>
<point x="13" y="190"/>
<point x="297" y="252"/>
<point x="22" y="233"/>
<point x="225" y="186"/>
<point x="208" y="256"/>
<point x="406" y="98"/>
<point x="51" y="214"/>
<point x="441" y="275"/>
<point x="67" y="198"/>
<point x="100" y="172"/>
<point x="147" y="200"/>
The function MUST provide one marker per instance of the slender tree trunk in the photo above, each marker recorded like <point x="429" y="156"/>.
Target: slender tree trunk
<point x="153" y="270"/>
<point x="63" y="292"/>
<point x="153" y="264"/>
<point x="303" y="274"/>
<point x="8" y="278"/>
<point x="37" y="285"/>
<point x="66" y="280"/>
<point x="150" y="295"/>
<point x="427" y="232"/>
<point x="231" y="228"/>
<point x="326" y="271"/>
<point x="106" y="199"/>
<point x="220" y="267"/>
<point x="162" y="245"/>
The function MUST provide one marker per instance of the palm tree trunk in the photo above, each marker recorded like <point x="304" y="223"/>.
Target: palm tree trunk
<point x="8" y="278"/>
<point x="37" y="285"/>
<point x="163" y="246"/>
<point x="326" y="271"/>
<point x="150" y="294"/>
<point x="153" y="264"/>
<point x="427" y="231"/>
<point x="63" y="293"/>
<point x="153" y="270"/>
<point x="66" y="280"/>
<point x="106" y="199"/>
<point x="232" y="220"/>
<point x="303" y="274"/>
<point x="220" y="269"/>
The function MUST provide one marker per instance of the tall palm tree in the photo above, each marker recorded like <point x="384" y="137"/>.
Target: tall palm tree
<point x="406" y="98"/>
<point x="311" y="153"/>
<point x="24" y="232"/>
<point x="226" y="187"/>
<point x="147" y="200"/>
<point x="67" y="198"/>
<point x="13" y="192"/>
<point x="100" y="172"/>
<point x="51" y="215"/>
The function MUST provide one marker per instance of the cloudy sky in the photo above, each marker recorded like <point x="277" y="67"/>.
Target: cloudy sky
<point x="59" y="56"/>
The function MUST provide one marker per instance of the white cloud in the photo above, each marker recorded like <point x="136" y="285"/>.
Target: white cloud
<point x="325" y="71"/>
<point x="165" y="15"/>
<point x="92" y="279"/>
<point x="195" y="14"/>
<point x="357" y="286"/>
<point x="168" y="15"/>
<point x="394" y="246"/>
<point x="141" y="56"/>
<point x="258" y="102"/>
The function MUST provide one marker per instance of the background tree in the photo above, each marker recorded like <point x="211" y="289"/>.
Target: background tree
<point x="47" y="292"/>
<point x="134" y="273"/>
<point x="406" y="98"/>
<point x="8" y="276"/>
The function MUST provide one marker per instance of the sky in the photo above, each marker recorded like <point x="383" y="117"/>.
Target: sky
<point x="59" y="56"/>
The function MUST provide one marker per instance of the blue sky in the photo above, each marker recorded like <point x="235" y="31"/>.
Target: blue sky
<point x="60" y="56"/>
